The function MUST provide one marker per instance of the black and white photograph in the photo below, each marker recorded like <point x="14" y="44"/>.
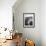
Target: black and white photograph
<point x="29" y="20"/>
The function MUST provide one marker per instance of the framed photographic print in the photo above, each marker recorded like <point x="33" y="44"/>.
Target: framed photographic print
<point x="29" y="20"/>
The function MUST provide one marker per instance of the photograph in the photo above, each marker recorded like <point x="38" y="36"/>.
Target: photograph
<point x="29" y="20"/>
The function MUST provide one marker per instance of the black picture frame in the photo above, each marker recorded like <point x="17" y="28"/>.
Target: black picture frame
<point x="28" y="20"/>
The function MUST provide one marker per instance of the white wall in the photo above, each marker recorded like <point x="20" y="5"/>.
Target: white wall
<point x="6" y="13"/>
<point x="43" y="22"/>
<point x="28" y="6"/>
